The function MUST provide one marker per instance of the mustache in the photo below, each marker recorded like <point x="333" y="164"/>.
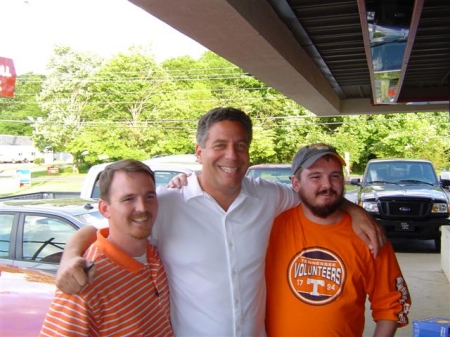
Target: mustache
<point x="143" y="214"/>
<point x="328" y="191"/>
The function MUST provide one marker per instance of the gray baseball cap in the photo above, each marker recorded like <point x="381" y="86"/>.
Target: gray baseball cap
<point x="308" y="155"/>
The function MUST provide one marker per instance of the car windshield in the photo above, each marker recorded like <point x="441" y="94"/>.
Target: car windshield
<point x="403" y="172"/>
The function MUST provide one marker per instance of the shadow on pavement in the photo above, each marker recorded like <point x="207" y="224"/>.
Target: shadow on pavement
<point x="413" y="246"/>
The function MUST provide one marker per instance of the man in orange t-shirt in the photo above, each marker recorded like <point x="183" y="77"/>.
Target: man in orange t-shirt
<point x="318" y="273"/>
<point x="130" y="295"/>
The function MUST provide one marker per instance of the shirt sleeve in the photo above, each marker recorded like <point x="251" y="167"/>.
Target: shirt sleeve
<point x="288" y="197"/>
<point x="388" y="292"/>
<point x="67" y="316"/>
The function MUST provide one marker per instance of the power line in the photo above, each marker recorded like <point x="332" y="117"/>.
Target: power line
<point x="312" y="120"/>
<point x="188" y="73"/>
<point x="174" y="92"/>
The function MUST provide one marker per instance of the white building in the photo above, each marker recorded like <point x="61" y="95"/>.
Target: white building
<point x="18" y="149"/>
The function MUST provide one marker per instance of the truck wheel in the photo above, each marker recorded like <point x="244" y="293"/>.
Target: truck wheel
<point x="437" y="244"/>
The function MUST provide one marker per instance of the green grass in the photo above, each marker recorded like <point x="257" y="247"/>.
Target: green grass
<point x="37" y="174"/>
<point x="43" y="182"/>
<point x="350" y="187"/>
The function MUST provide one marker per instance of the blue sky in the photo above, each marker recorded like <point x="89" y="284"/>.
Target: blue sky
<point x="31" y="28"/>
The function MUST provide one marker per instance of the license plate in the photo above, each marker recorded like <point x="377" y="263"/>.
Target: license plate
<point x="404" y="227"/>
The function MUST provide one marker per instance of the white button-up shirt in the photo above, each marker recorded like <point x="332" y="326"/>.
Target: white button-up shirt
<point x="214" y="259"/>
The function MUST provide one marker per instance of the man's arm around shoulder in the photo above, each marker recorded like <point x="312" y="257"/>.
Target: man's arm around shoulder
<point x="71" y="277"/>
<point x="365" y="226"/>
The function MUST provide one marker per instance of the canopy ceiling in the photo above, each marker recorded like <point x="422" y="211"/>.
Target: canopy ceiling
<point x="333" y="57"/>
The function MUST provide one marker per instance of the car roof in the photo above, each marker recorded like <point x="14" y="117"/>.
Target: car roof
<point x="399" y="160"/>
<point x="72" y="206"/>
<point x="177" y="159"/>
<point x="181" y="167"/>
<point x="270" y="166"/>
<point x="185" y="163"/>
<point x="158" y="164"/>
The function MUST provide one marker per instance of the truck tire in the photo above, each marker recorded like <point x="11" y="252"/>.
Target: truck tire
<point x="437" y="244"/>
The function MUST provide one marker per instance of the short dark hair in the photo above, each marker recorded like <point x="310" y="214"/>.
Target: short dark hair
<point x="125" y="165"/>
<point x="223" y="114"/>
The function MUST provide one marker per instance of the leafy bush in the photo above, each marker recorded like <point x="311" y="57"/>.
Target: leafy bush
<point x="38" y="161"/>
<point x="65" y="169"/>
<point x="83" y="168"/>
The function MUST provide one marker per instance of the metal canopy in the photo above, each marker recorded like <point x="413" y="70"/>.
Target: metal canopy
<point x="326" y="54"/>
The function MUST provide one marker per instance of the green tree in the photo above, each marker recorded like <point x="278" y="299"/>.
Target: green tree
<point x="15" y="112"/>
<point x="64" y="97"/>
<point x="132" y="93"/>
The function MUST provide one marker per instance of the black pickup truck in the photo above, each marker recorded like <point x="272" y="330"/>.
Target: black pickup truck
<point x="406" y="197"/>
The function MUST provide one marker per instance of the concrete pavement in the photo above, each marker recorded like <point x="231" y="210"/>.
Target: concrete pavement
<point x="429" y="288"/>
<point x="427" y="283"/>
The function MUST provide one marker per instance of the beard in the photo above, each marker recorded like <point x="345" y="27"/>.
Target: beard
<point x="323" y="210"/>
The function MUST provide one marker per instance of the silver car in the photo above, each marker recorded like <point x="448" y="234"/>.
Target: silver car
<point x="33" y="233"/>
<point x="279" y="173"/>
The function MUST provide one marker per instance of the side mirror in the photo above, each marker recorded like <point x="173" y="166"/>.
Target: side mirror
<point x="355" y="181"/>
<point x="445" y="182"/>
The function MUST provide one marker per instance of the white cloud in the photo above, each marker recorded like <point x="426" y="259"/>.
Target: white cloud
<point x="31" y="28"/>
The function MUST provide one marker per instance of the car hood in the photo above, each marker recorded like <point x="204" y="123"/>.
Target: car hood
<point x="25" y="298"/>
<point x="378" y="191"/>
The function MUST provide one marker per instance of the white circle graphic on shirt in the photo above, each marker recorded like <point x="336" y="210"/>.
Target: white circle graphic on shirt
<point x="316" y="275"/>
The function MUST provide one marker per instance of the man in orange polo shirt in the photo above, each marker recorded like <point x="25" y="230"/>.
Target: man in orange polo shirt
<point x="130" y="294"/>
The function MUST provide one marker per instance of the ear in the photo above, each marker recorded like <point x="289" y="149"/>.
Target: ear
<point x="103" y="208"/>
<point x="295" y="183"/>
<point x="198" y="153"/>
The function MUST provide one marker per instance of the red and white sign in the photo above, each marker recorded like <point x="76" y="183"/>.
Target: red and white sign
<point x="7" y="77"/>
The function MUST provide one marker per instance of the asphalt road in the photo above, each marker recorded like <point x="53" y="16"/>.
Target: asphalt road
<point x="351" y="195"/>
<point x="9" y="167"/>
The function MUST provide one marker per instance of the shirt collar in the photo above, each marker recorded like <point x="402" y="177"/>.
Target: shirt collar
<point x="193" y="188"/>
<point x="119" y="256"/>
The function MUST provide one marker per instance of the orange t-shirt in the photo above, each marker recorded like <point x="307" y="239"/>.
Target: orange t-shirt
<point x="318" y="277"/>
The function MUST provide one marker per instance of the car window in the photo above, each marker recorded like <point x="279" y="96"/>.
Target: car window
<point x="378" y="172"/>
<point x="422" y="172"/>
<point x="6" y="224"/>
<point x="162" y="178"/>
<point x="276" y="175"/>
<point x="96" y="189"/>
<point x="44" y="238"/>
<point x="401" y="171"/>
